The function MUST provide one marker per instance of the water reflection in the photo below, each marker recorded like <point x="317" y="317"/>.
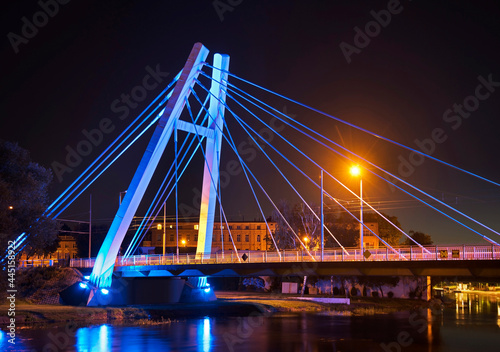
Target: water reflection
<point x="204" y="336"/>
<point x="471" y="304"/>
<point x="94" y="339"/>
<point x="470" y="317"/>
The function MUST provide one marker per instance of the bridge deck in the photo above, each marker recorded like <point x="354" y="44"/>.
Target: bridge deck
<point x="430" y="253"/>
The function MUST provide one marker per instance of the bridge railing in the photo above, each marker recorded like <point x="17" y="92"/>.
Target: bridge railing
<point x="413" y="253"/>
<point x="28" y="263"/>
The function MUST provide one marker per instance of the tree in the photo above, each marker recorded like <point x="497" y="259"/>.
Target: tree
<point x="23" y="200"/>
<point x="345" y="229"/>
<point x="285" y="226"/>
<point x="308" y="225"/>
<point x="420" y="237"/>
<point x="378" y="282"/>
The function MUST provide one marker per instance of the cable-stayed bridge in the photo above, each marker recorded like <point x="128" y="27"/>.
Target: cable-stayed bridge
<point x="203" y="112"/>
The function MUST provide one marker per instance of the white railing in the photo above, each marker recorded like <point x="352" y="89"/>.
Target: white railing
<point x="412" y="253"/>
<point x="28" y="263"/>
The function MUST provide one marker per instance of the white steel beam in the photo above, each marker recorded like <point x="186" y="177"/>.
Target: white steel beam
<point x="212" y="155"/>
<point x="104" y="264"/>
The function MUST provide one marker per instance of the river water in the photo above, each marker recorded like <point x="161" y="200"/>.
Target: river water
<point x="473" y="324"/>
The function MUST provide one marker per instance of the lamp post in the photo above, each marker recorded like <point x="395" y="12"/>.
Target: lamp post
<point x="164" y="225"/>
<point x="356" y="171"/>
<point x="120" y="197"/>
<point x="90" y="226"/>
<point x="322" y="220"/>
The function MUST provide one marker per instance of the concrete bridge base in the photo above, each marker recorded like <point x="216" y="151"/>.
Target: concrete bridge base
<point x="138" y="291"/>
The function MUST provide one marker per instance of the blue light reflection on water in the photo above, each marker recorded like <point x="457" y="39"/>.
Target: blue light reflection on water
<point x="204" y="336"/>
<point x="94" y="339"/>
<point x="106" y="338"/>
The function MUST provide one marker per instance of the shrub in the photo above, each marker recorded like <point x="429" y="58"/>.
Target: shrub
<point x="390" y="294"/>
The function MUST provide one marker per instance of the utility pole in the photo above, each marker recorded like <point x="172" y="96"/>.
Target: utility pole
<point x="361" y="215"/>
<point x="90" y="226"/>
<point x="164" y="224"/>
<point x="322" y="220"/>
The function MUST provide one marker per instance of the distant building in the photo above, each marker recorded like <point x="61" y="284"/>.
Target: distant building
<point x="67" y="249"/>
<point x="246" y="236"/>
<point x="370" y="241"/>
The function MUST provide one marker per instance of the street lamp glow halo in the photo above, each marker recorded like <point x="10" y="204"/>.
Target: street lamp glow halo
<point x="355" y="170"/>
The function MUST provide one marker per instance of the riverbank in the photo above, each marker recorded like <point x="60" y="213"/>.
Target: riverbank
<point x="357" y="306"/>
<point x="227" y="304"/>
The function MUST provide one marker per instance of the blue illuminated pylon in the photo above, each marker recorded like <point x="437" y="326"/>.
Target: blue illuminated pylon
<point x="168" y="122"/>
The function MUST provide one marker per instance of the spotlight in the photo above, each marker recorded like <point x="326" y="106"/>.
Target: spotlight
<point x="104" y="291"/>
<point x="86" y="277"/>
<point x="83" y="285"/>
<point x="207" y="289"/>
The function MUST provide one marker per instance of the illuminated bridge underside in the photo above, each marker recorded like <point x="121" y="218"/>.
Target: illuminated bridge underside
<point x="464" y="268"/>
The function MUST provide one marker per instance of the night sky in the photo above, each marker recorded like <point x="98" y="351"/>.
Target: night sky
<point x="427" y="58"/>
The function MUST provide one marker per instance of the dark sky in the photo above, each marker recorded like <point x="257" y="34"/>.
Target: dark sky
<point x="428" y="57"/>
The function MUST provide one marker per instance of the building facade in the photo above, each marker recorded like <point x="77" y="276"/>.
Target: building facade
<point x="252" y="235"/>
<point x="67" y="249"/>
<point x="370" y="241"/>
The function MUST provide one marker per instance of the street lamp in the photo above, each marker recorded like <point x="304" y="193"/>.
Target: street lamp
<point x="164" y="225"/>
<point x="356" y="171"/>
<point x="322" y="220"/>
<point x="306" y="240"/>
<point x="120" y="197"/>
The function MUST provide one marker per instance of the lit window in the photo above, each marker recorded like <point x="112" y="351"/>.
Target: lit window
<point x="171" y="227"/>
<point x="196" y="227"/>
<point x="159" y="227"/>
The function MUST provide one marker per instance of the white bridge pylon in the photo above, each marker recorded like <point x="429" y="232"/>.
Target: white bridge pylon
<point x="168" y="122"/>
